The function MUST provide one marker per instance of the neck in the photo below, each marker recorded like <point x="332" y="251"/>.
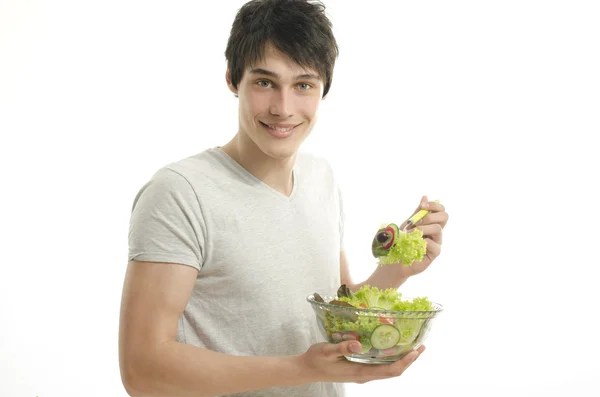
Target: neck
<point x="276" y="173"/>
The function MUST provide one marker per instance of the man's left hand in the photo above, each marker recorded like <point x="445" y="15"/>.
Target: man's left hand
<point x="432" y="226"/>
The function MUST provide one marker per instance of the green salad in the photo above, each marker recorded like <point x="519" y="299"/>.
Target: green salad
<point x="376" y="330"/>
<point x="391" y="245"/>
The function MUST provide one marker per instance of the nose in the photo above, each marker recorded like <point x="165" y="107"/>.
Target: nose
<point x="281" y="104"/>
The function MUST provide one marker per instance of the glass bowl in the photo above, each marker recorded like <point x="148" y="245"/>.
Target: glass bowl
<point x="386" y="336"/>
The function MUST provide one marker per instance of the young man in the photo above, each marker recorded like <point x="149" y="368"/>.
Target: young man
<point x="225" y="245"/>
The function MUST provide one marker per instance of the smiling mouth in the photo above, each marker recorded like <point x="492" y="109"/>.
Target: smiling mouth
<point x="282" y="129"/>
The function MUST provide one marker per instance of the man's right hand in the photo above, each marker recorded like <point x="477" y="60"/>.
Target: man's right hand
<point x="325" y="362"/>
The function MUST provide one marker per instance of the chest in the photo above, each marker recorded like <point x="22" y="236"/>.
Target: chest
<point x="267" y="247"/>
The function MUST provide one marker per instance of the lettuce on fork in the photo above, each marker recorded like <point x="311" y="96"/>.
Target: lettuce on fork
<point x="392" y="245"/>
<point x="409" y="247"/>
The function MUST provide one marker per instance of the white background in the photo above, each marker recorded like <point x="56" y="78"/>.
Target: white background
<point x="491" y="107"/>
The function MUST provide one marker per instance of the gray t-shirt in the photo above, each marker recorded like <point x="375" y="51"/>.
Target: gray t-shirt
<point x="259" y="254"/>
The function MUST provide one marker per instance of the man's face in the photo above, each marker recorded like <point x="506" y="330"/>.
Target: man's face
<point x="278" y="102"/>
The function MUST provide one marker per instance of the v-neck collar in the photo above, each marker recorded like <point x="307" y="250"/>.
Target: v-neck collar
<point x="252" y="178"/>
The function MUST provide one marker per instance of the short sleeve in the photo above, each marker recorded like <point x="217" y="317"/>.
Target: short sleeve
<point x="166" y="222"/>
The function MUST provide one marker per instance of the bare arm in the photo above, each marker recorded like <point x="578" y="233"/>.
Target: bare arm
<point x="382" y="277"/>
<point x="153" y="363"/>
<point x="393" y="276"/>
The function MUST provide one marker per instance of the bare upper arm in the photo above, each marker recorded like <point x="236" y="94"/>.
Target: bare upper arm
<point x="154" y="296"/>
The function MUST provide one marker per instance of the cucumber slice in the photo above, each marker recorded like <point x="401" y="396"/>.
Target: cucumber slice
<point x="384" y="239"/>
<point x="384" y="337"/>
<point x="392" y="229"/>
<point x="396" y="229"/>
<point x="391" y="238"/>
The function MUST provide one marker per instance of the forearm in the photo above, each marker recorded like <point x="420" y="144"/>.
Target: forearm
<point x="176" y="369"/>
<point x="388" y="276"/>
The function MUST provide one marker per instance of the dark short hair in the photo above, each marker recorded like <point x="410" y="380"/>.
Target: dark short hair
<point x="298" y="28"/>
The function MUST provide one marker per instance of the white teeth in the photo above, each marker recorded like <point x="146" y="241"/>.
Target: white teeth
<point x="281" y="129"/>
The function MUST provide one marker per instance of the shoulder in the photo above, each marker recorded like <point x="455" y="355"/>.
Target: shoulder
<point x="179" y="178"/>
<point x="191" y="172"/>
<point x="206" y="164"/>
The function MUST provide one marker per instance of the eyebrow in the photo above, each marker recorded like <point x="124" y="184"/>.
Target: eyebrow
<point x="275" y="75"/>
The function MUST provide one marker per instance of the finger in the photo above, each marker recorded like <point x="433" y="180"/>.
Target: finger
<point x="410" y="358"/>
<point x="346" y="348"/>
<point x="423" y="205"/>
<point x="433" y="206"/>
<point x="397" y="368"/>
<point x="433" y="231"/>
<point x="369" y="372"/>
<point x="433" y="249"/>
<point x="434" y="217"/>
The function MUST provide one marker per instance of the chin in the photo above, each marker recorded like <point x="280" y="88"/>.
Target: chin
<point x="279" y="150"/>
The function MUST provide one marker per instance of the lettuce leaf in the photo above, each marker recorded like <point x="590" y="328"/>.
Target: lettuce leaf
<point x="363" y="326"/>
<point x="371" y="297"/>
<point x="409" y="329"/>
<point x="409" y="247"/>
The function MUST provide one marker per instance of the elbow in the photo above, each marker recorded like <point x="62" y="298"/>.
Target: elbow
<point x="131" y="391"/>
<point x="131" y="382"/>
<point x="134" y="381"/>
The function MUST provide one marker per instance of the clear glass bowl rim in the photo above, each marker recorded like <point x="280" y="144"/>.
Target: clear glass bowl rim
<point x="311" y="299"/>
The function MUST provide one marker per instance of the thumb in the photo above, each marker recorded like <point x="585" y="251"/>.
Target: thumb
<point x="348" y="348"/>
<point x="423" y="204"/>
<point x="424" y="200"/>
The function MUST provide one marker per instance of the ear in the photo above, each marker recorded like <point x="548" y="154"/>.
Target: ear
<point x="229" y="83"/>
